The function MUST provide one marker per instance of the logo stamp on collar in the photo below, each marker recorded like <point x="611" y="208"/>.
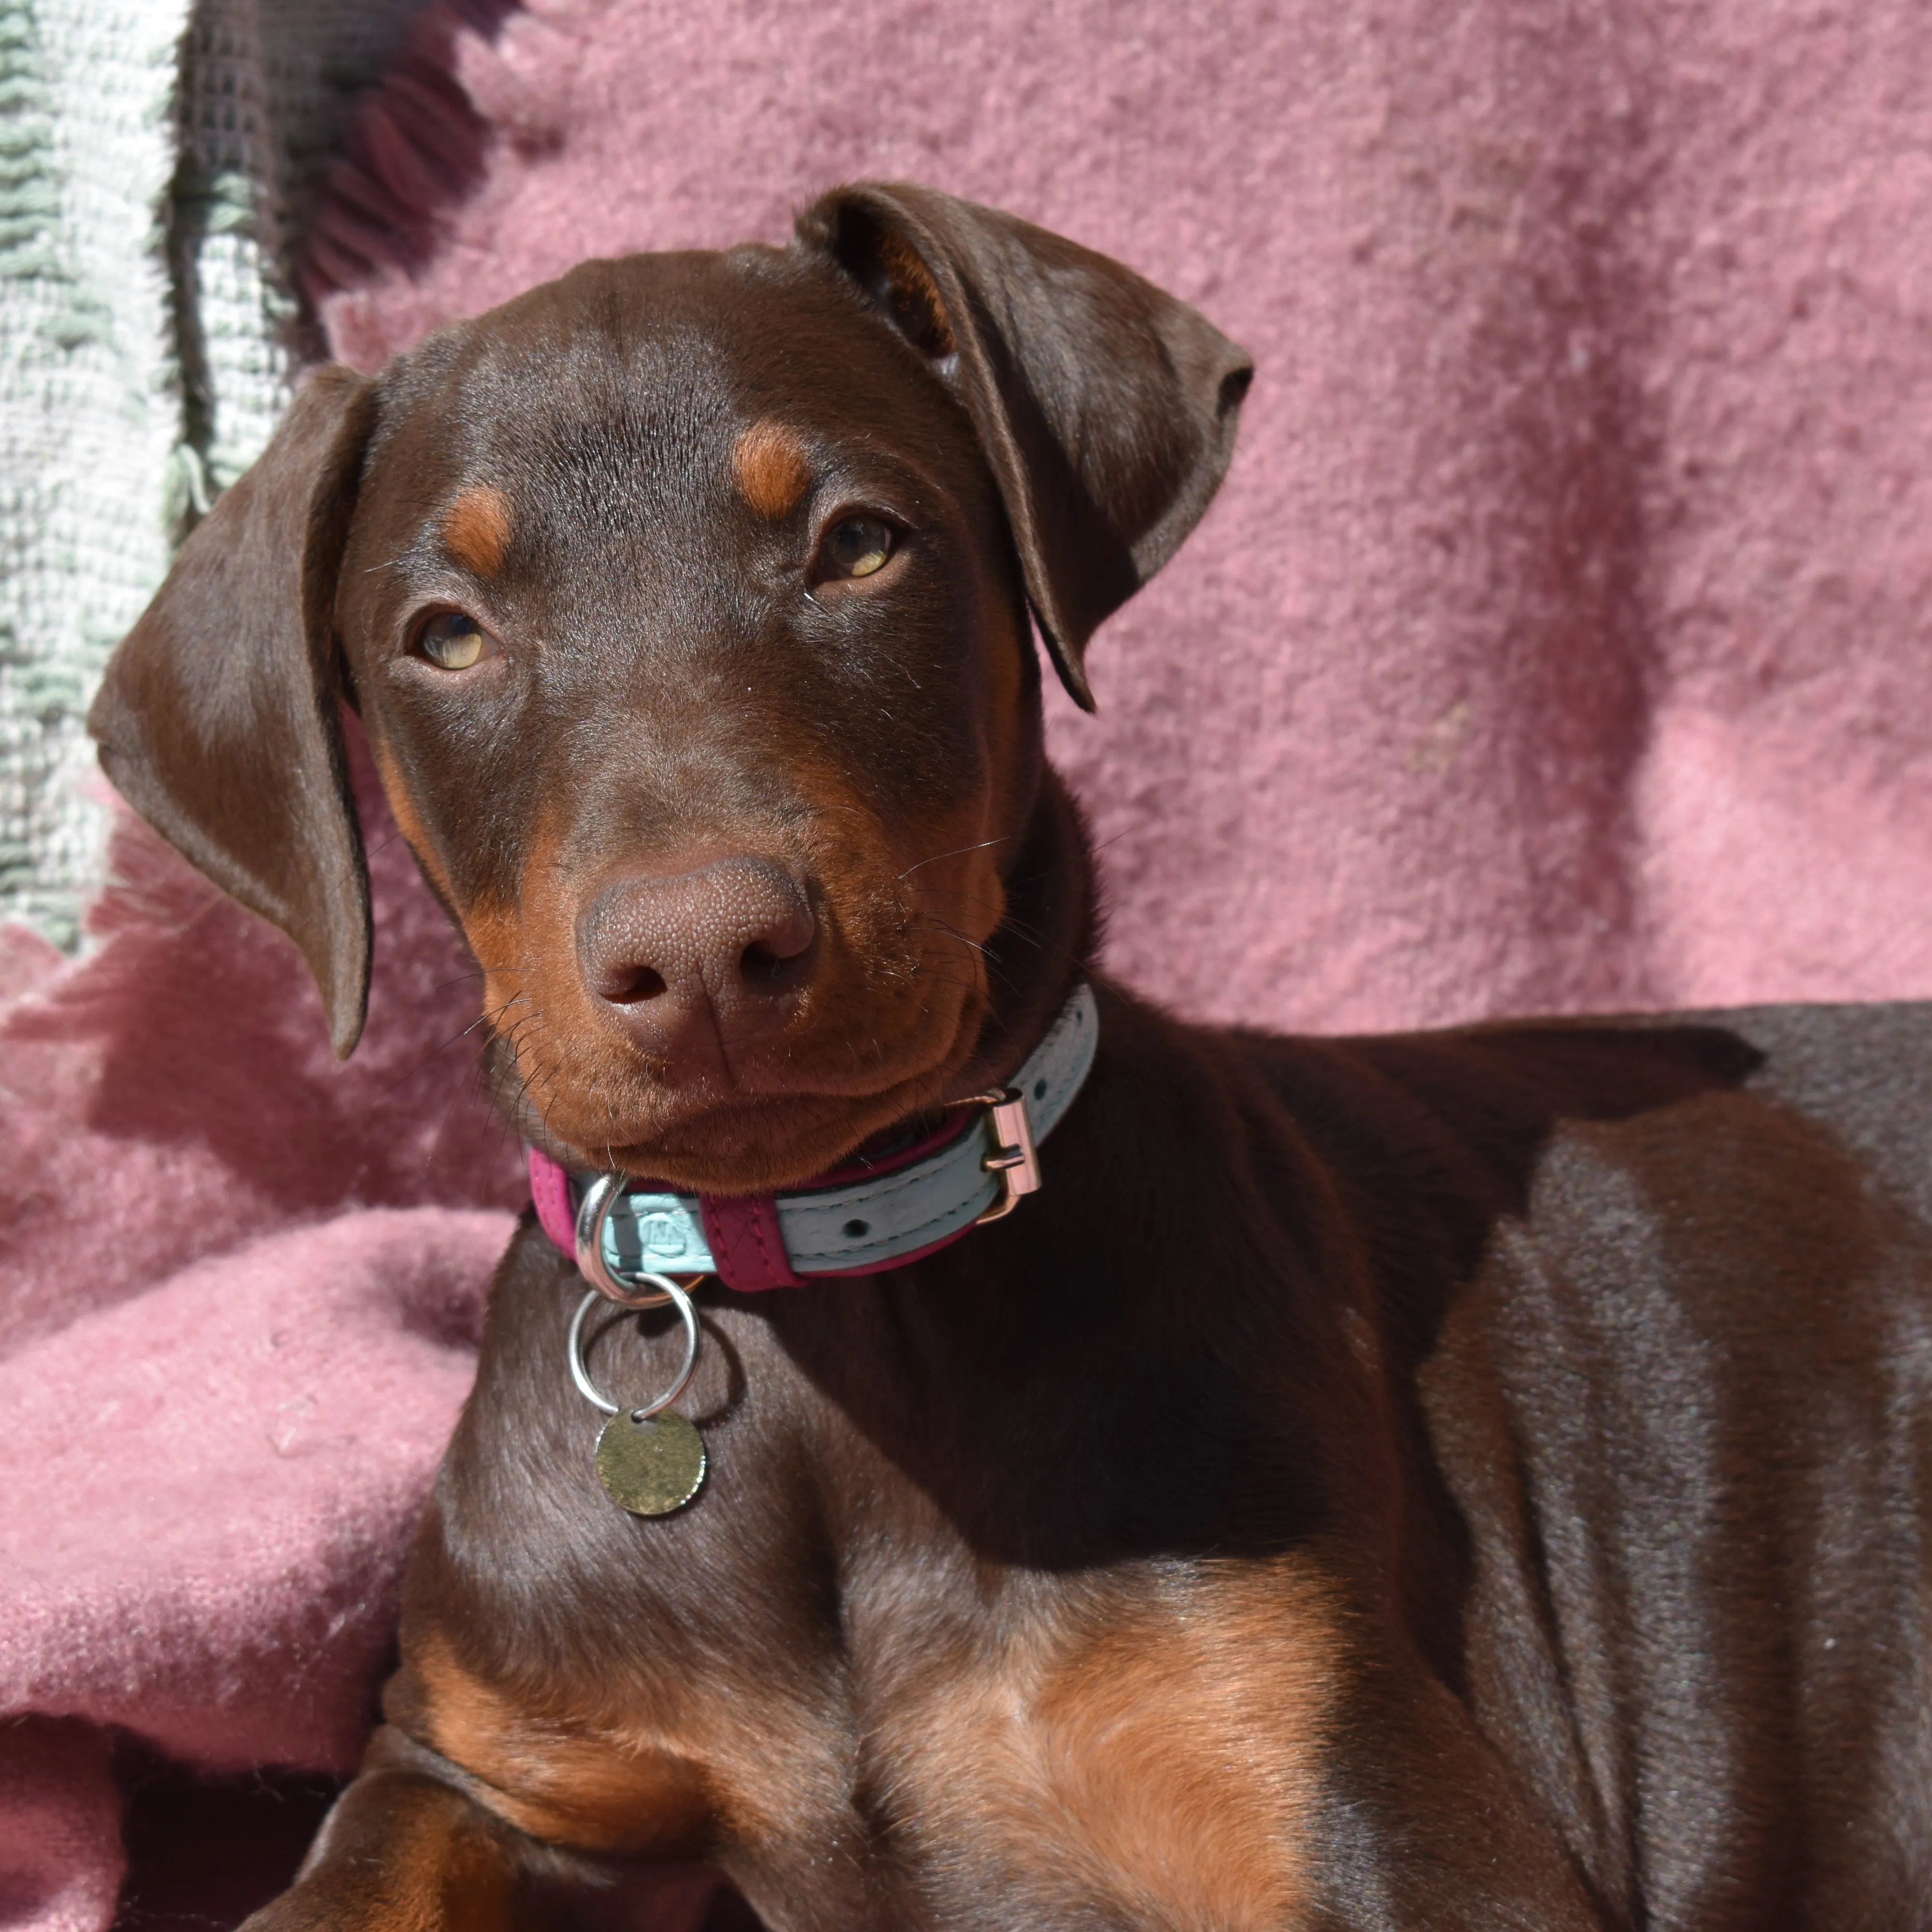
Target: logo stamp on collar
<point x="663" y="1240"/>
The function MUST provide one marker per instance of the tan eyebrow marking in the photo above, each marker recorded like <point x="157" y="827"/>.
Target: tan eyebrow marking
<point x="769" y="463"/>
<point x="476" y="530"/>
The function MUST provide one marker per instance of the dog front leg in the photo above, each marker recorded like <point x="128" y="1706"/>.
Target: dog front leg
<point x="403" y="1852"/>
<point x="407" y="1848"/>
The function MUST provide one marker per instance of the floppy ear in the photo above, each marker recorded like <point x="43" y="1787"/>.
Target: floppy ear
<point x="217" y="720"/>
<point x="1106" y="408"/>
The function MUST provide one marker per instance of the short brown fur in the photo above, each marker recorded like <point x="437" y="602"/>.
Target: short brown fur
<point x="912" y="283"/>
<point x="409" y="823"/>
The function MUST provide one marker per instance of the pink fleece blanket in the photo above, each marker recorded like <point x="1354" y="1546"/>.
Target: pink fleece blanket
<point x="1558" y="641"/>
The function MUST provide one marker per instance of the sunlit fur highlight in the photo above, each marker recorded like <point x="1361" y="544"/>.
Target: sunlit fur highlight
<point x="559" y="1778"/>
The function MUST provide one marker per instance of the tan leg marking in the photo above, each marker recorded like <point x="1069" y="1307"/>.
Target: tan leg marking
<point x="560" y="1778"/>
<point x="769" y="464"/>
<point x="400" y="1853"/>
<point x="1167" y="1756"/>
<point x="476" y="530"/>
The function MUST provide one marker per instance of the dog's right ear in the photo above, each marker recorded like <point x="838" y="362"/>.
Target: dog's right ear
<point x="217" y="719"/>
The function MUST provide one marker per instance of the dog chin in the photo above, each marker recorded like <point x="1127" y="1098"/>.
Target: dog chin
<point x="697" y="1139"/>
<point x="748" y="1146"/>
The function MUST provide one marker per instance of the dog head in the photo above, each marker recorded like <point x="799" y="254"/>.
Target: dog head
<point x="684" y="601"/>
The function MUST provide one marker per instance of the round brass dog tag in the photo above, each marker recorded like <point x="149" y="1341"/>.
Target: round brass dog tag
<point x="650" y="1468"/>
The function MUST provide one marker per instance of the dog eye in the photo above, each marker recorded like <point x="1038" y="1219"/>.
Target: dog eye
<point x="453" y="641"/>
<point x="857" y="546"/>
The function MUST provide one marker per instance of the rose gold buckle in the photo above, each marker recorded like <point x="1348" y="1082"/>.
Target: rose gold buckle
<point x="1013" y="1158"/>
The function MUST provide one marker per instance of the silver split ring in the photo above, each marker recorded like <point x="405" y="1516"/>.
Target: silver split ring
<point x="581" y="1375"/>
<point x="593" y="1216"/>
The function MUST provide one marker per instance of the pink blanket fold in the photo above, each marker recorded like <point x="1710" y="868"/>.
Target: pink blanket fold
<point x="1558" y="641"/>
<point x="240" y="1291"/>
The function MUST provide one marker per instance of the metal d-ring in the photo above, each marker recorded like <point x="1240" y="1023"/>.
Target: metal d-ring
<point x="593" y="1215"/>
<point x="581" y="1375"/>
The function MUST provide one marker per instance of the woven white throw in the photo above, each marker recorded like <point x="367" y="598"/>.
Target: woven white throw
<point x="138" y="368"/>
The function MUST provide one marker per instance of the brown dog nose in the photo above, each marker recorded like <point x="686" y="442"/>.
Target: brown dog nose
<point x="700" y="963"/>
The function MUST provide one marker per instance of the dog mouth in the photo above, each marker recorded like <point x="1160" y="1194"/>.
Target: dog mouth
<point x="697" y="1137"/>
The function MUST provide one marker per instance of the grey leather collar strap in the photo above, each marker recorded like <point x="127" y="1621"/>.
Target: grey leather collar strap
<point x="861" y="1225"/>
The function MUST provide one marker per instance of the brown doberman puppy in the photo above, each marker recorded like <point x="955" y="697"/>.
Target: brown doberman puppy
<point x="1471" y="1480"/>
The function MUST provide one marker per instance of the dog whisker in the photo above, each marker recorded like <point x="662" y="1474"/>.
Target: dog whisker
<point x="958" y="852"/>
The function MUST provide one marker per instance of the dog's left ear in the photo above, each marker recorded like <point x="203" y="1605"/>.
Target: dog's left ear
<point x="216" y="720"/>
<point x="1106" y="408"/>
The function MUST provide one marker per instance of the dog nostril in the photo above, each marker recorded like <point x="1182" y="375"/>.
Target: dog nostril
<point x="646" y="983"/>
<point x="759" y="966"/>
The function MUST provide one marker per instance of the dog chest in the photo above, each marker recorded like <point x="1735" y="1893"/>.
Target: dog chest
<point x="812" y="1679"/>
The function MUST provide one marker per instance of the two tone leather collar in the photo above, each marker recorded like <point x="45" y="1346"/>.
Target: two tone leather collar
<point x="860" y="1220"/>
